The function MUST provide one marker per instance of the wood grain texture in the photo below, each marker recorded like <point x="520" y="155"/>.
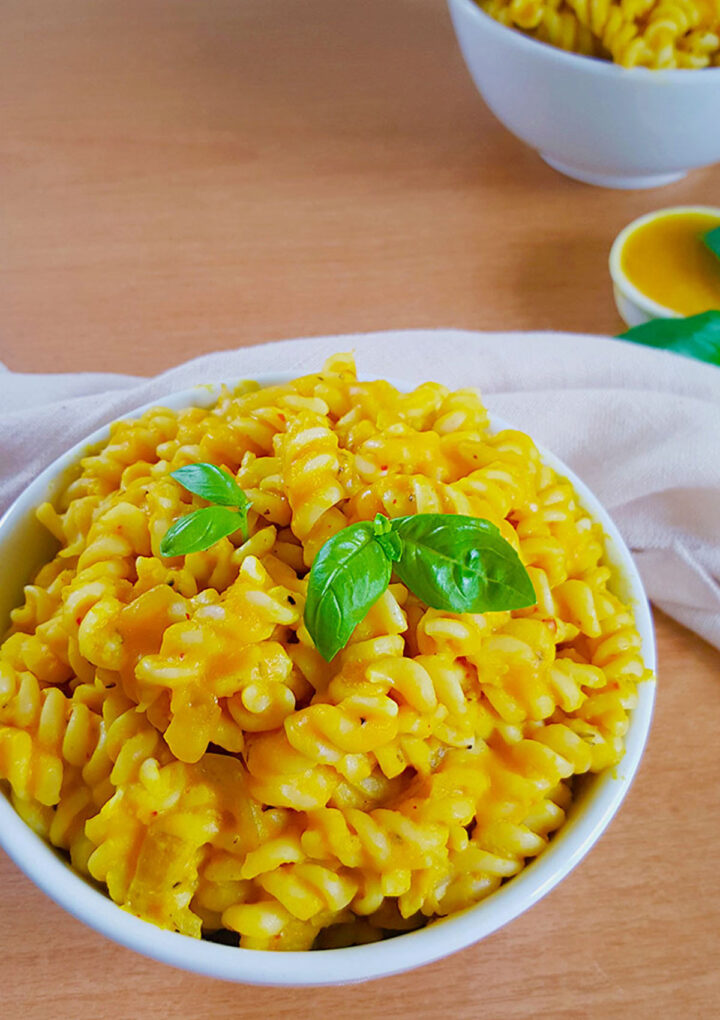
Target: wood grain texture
<point x="180" y="177"/>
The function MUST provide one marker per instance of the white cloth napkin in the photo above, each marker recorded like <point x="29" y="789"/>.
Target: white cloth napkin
<point x="641" y="427"/>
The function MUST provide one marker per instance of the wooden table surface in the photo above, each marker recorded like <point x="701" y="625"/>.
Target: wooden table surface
<point x="180" y="177"/>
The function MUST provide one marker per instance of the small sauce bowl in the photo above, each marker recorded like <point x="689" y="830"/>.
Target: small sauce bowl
<point x="660" y="268"/>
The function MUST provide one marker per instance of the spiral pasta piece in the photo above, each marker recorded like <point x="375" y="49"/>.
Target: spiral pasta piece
<point x="312" y="473"/>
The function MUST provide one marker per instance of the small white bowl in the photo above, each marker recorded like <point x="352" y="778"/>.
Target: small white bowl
<point x="635" y="307"/>
<point x="25" y="545"/>
<point x="590" y="119"/>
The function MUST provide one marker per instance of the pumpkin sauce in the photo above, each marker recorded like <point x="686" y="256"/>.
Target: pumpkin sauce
<point x="667" y="261"/>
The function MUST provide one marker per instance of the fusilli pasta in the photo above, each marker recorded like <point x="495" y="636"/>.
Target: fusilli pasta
<point x="634" y="33"/>
<point x="169" y="724"/>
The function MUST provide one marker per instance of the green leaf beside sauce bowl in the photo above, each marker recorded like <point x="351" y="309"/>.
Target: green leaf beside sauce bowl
<point x="711" y="240"/>
<point x="697" y="336"/>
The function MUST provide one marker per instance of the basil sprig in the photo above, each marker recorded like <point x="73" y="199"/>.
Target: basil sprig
<point x="711" y="240"/>
<point x="202" y="528"/>
<point x="696" y="336"/>
<point x="451" y="562"/>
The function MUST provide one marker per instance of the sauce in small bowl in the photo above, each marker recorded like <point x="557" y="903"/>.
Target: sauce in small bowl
<point x="660" y="267"/>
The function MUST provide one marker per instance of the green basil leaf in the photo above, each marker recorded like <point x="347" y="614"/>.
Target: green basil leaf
<point x="199" y="530"/>
<point x="348" y="575"/>
<point x="387" y="537"/>
<point x="461" y="564"/>
<point x="212" y="483"/>
<point x="711" y="240"/>
<point x="697" y="336"/>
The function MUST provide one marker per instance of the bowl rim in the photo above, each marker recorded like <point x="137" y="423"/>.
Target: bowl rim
<point x="624" y="284"/>
<point x="84" y="899"/>
<point x="592" y="65"/>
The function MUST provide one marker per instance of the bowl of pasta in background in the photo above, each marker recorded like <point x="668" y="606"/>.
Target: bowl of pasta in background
<point x="24" y="545"/>
<point x="590" y="119"/>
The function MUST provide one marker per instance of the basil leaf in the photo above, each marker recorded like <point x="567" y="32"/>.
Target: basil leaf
<point x="199" y="530"/>
<point x="387" y="537"/>
<point x="711" y="240"/>
<point x="461" y="564"/>
<point x="212" y="483"/>
<point x="349" y="574"/>
<point x="697" y="336"/>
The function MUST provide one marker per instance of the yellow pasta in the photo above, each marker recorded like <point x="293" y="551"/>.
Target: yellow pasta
<point x="634" y="33"/>
<point x="168" y="723"/>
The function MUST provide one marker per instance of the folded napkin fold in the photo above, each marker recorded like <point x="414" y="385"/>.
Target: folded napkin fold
<point x="640" y="426"/>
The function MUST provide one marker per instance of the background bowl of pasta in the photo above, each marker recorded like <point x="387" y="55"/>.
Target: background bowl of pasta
<point x="458" y="766"/>
<point x="590" y="118"/>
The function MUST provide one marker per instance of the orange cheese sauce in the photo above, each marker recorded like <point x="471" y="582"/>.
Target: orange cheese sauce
<point x="667" y="260"/>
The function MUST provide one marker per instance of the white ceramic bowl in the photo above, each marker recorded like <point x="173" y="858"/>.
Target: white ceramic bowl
<point x="635" y="307"/>
<point x="24" y="546"/>
<point x="588" y="118"/>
